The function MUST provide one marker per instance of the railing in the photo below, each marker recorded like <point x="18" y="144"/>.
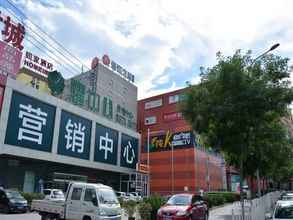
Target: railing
<point x="255" y="209"/>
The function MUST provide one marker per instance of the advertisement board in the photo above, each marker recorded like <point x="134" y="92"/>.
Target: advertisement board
<point x="74" y="136"/>
<point x="30" y="123"/>
<point x="129" y="151"/>
<point x="106" y="145"/>
<point x="177" y="140"/>
<point x="10" y="58"/>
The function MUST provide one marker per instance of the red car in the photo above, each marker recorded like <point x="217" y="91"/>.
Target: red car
<point x="184" y="207"/>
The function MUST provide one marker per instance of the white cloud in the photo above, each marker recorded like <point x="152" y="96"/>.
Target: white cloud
<point x="152" y="37"/>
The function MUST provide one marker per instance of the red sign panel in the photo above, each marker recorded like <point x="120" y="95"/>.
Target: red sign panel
<point x="2" y="89"/>
<point x="13" y="33"/>
<point x="10" y="58"/>
<point x="172" y="116"/>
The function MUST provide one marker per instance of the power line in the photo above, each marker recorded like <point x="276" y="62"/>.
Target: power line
<point x="51" y="38"/>
<point x="44" y="51"/>
<point x="65" y="59"/>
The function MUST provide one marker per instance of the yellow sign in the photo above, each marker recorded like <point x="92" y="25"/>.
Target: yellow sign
<point x="33" y="81"/>
<point x="163" y="141"/>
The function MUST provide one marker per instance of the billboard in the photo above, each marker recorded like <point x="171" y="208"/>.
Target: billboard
<point x="74" y="136"/>
<point x="106" y="145"/>
<point x="10" y="58"/>
<point x="30" y="123"/>
<point x="129" y="151"/>
<point x="177" y="140"/>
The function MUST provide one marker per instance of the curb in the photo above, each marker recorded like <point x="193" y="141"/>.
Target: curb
<point x="220" y="206"/>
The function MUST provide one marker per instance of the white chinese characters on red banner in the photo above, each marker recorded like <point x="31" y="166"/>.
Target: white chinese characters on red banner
<point x="13" y="33"/>
<point x="37" y="64"/>
<point x="10" y="58"/>
<point x="172" y="116"/>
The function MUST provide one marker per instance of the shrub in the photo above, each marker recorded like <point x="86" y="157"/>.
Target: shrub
<point x="220" y="198"/>
<point x="144" y="210"/>
<point x="129" y="207"/>
<point x="32" y="196"/>
<point x="156" y="201"/>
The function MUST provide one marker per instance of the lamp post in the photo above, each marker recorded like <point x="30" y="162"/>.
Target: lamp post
<point x="260" y="56"/>
<point x="242" y="146"/>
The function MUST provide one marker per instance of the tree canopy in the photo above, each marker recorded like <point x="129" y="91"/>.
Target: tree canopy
<point x="238" y="106"/>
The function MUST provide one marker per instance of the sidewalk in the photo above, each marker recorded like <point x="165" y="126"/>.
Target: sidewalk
<point x="221" y="213"/>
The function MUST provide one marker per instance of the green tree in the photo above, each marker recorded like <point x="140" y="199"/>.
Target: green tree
<point x="236" y="101"/>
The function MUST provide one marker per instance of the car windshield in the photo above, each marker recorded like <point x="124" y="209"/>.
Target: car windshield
<point x="13" y="195"/>
<point x="179" y="200"/>
<point x="47" y="192"/>
<point x="284" y="212"/>
<point x="107" y="196"/>
<point x="287" y="197"/>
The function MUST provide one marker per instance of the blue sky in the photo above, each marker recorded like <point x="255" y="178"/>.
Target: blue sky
<point x="162" y="42"/>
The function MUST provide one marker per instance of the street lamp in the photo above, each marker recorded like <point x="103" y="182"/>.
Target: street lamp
<point x="257" y="171"/>
<point x="269" y="50"/>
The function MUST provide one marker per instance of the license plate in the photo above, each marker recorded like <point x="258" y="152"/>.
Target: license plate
<point x="167" y="218"/>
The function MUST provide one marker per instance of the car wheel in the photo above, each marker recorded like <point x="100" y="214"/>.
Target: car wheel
<point x="206" y="216"/>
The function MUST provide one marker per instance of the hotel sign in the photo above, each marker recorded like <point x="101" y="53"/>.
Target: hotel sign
<point x="37" y="64"/>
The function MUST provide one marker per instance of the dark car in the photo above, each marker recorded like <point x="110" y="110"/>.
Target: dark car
<point x="184" y="207"/>
<point x="12" y="201"/>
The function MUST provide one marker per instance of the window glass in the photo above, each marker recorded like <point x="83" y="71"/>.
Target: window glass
<point x="284" y="212"/>
<point x="179" y="200"/>
<point x="47" y="192"/>
<point x="89" y="195"/>
<point x="107" y="196"/>
<point x="76" y="194"/>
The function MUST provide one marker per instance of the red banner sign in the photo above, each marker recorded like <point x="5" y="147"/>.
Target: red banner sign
<point x="172" y="116"/>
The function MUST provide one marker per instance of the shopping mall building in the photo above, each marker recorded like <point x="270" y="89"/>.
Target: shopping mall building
<point x="176" y="159"/>
<point x="86" y="133"/>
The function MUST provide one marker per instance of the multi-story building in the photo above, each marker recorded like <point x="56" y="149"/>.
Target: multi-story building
<point x="176" y="161"/>
<point x="85" y="134"/>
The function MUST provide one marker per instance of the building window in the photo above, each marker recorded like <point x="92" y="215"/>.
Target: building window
<point x="124" y="91"/>
<point x="153" y="104"/>
<point x="150" y="120"/>
<point x="107" y="107"/>
<point x="173" y="99"/>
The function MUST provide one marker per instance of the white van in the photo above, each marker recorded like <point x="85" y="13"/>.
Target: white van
<point x="83" y="201"/>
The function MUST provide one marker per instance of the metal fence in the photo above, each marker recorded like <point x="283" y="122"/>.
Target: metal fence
<point x="255" y="209"/>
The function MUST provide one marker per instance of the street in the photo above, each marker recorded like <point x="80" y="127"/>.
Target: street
<point x="223" y="213"/>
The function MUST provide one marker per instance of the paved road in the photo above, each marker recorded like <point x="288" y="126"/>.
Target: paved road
<point x="28" y="216"/>
<point x="223" y="213"/>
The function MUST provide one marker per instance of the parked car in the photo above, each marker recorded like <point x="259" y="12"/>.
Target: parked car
<point x="135" y="197"/>
<point x="83" y="201"/>
<point x="53" y="194"/>
<point x="286" y="196"/>
<point x="283" y="210"/>
<point x="123" y="196"/>
<point x="12" y="201"/>
<point x="184" y="207"/>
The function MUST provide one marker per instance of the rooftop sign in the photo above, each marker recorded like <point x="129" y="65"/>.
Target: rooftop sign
<point x="117" y="68"/>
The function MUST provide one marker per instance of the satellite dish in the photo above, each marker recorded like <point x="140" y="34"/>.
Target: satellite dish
<point x="56" y="82"/>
